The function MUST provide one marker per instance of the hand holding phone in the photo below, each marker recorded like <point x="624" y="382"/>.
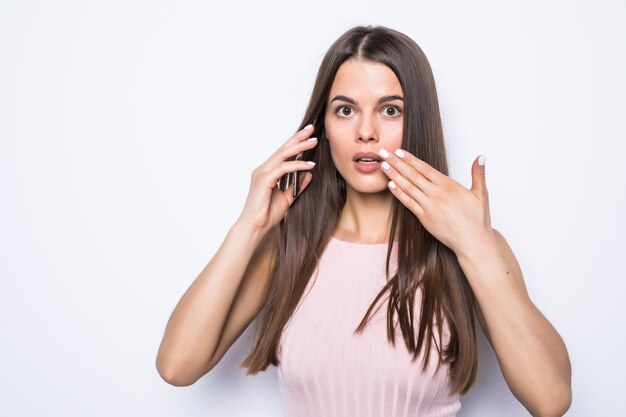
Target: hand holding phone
<point x="293" y="178"/>
<point x="269" y="196"/>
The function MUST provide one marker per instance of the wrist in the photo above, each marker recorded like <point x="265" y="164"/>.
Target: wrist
<point x="481" y="246"/>
<point x="247" y="231"/>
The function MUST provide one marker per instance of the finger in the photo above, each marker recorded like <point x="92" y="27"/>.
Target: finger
<point x="407" y="185"/>
<point x="301" y="134"/>
<point x="407" y="200"/>
<point x="427" y="171"/>
<point x="287" y="152"/>
<point x="297" y="143"/>
<point x="270" y="179"/>
<point x="404" y="172"/>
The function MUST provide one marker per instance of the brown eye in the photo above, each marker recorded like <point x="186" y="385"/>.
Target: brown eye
<point x="343" y="109"/>
<point x="393" y="108"/>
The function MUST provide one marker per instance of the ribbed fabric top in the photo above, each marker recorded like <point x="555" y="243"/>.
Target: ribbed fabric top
<point x="327" y="371"/>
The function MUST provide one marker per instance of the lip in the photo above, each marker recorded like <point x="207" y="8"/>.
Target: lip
<point x="367" y="167"/>
<point x="367" y="155"/>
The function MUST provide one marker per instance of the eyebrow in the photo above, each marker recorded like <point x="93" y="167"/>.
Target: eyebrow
<point x="380" y="100"/>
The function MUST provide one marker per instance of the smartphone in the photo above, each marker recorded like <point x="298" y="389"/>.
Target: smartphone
<point x="293" y="178"/>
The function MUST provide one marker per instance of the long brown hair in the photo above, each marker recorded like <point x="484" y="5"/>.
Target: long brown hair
<point x="422" y="260"/>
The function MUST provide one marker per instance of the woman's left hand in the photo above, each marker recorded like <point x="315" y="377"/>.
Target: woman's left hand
<point x="459" y="218"/>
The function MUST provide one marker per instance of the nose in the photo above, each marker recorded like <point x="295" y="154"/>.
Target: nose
<point x="367" y="129"/>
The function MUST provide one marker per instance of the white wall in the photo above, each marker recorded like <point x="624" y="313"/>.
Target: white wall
<point x="129" y="129"/>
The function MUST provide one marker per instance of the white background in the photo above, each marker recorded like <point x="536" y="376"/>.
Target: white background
<point x="129" y="130"/>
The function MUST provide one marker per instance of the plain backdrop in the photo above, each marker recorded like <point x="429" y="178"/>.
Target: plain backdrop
<point x="129" y="130"/>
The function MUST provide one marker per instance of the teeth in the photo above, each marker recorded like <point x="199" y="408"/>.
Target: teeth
<point x="367" y="160"/>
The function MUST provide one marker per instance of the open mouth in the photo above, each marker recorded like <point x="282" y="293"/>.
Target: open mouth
<point x="365" y="165"/>
<point x="367" y="160"/>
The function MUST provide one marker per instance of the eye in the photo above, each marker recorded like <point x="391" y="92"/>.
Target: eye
<point x="341" y="108"/>
<point x="345" y="114"/>
<point x="398" y="114"/>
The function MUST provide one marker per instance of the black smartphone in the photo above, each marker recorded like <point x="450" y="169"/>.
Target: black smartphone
<point x="293" y="178"/>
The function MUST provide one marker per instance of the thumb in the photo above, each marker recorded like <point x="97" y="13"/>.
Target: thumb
<point x="479" y="182"/>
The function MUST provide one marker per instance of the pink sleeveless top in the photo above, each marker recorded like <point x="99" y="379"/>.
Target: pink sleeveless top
<point x="327" y="371"/>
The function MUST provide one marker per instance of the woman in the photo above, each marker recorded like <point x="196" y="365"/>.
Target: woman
<point x="375" y="216"/>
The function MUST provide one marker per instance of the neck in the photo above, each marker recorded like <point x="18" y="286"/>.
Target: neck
<point x="366" y="217"/>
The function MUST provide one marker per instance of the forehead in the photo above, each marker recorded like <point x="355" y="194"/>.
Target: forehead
<point x="365" y="80"/>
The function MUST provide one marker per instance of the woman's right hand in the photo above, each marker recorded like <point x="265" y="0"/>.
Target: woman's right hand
<point x="266" y="204"/>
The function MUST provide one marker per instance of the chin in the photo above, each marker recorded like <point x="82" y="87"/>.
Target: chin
<point x="375" y="185"/>
<point x="373" y="182"/>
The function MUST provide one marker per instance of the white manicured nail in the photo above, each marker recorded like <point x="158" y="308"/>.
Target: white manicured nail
<point x="481" y="160"/>
<point x="383" y="152"/>
<point x="400" y="153"/>
<point x="385" y="165"/>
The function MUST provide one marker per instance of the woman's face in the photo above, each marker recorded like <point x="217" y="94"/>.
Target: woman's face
<point x="355" y="120"/>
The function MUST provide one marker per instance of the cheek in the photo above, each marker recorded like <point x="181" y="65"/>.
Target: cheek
<point x="334" y="143"/>
<point x="337" y="130"/>
<point x="335" y="154"/>
<point x="395" y="132"/>
<point x="395" y="142"/>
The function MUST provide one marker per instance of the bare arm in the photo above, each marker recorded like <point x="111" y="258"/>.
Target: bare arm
<point x="229" y="292"/>
<point x="532" y="355"/>
<point x="217" y="307"/>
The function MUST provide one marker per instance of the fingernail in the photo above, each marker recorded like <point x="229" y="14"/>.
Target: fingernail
<point x="481" y="160"/>
<point x="311" y="139"/>
<point x="385" y="165"/>
<point x="383" y="152"/>
<point x="400" y="153"/>
<point x="310" y="162"/>
<point x="308" y="127"/>
<point x="392" y="185"/>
